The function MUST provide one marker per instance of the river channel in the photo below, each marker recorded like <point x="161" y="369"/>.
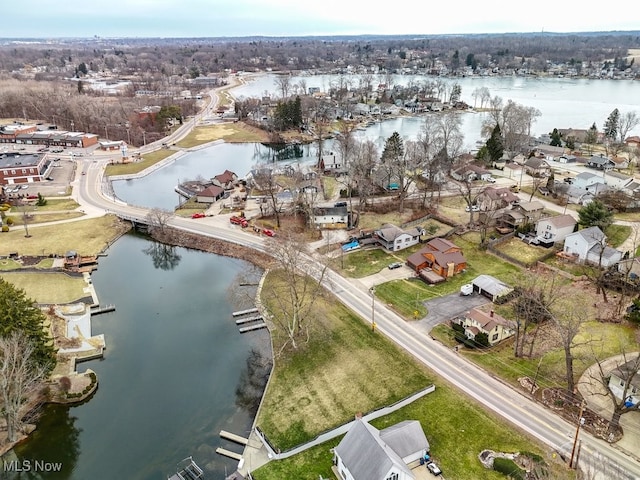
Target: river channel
<point x="175" y="372"/>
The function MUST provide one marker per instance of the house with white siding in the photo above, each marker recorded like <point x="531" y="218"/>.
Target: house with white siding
<point x="555" y="229"/>
<point x="590" y="245"/>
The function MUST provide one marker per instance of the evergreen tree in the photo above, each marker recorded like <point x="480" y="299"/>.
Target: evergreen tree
<point x="20" y="314"/>
<point x="595" y="214"/>
<point x="495" y="147"/>
<point x="393" y="149"/>
<point x="612" y="124"/>
<point x="556" y="139"/>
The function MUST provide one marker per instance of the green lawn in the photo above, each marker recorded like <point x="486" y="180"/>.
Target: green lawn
<point x="457" y="429"/>
<point x="517" y="249"/>
<point x="617" y="234"/>
<point x="362" y="263"/>
<point x="48" y="287"/>
<point x="343" y="369"/>
<point x="147" y="161"/>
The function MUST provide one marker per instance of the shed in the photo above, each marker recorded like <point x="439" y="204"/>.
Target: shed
<point x="491" y="287"/>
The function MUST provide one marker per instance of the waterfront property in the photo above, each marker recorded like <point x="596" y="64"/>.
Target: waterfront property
<point x="366" y="453"/>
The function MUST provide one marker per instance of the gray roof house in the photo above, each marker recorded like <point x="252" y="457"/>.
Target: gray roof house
<point x="625" y="381"/>
<point x="491" y="287"/>
<point x="589" y="245"/>
<point x="366" y="453"/>
<point x="555" y="229"/>
<point x="395" y="238"/>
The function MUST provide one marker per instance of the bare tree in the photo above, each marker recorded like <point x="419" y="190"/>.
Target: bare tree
<point x="292" y="291"/>
<point x="626" y="370"/>
<point x="20" y="378"/>
<point x="266" y="182"/>
<point x="627" y="122"/>
<point x="283" y="83"/>
<point x="361" y="167"/>
<point x="158" y="219"/>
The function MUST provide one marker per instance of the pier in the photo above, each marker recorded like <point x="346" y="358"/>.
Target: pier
<point x="229" y="453"/>
<point x="244" y="312"/>
<point x="251" y="328"/>
<point x="105" y="309"/>
<point x="233" y="437"/>
<point x="188" y="470"/>
<point x="241" y="321"/>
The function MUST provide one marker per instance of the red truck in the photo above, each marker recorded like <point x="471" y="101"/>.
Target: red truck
<point x="239" y="221"/>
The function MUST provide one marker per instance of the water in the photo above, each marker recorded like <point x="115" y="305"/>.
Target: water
<point x="175" y="371"/>
<point x="563" y="103"/>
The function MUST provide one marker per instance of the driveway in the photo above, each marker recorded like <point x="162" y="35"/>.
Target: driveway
<point x="445" y="308"/>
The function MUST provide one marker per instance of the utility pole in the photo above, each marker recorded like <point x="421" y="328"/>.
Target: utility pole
<point x="575" y="440"/>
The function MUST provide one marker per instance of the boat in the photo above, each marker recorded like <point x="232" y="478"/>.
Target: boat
<point x="188" y="469"/>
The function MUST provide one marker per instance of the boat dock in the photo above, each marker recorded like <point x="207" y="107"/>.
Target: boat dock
<point x="105" y="309"/>
<point x="240" y="321"/>
<point x="229" y="453"/>
<point x="188" y="470"/>
<point x="251" y="328"/>
<point x="233" y="437"/>
<point x="244" y="312"/>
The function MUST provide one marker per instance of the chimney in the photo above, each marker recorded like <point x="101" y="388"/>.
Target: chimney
<point x="491" y="314"/>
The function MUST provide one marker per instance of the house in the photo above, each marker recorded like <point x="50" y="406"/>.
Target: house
<point x="620" y="162"/>
<point x="225" y="180"/>
<point x="633" y="142"/>
<point x="537" y="167"/>
<point x="491" y="287"/>
<point x="470" y="172"/>
<point x="549" y="152"/>
<point x="331" y="217"/>
<point x="532" y="211"/>
<point x="616" y="179"/>
<point x="519" y="214"/>
<point x="589" y="245"/>
<point x="394" y="238"/>
<point x="211" y="194"/>
<point x="330" y="162"/>
<point x="555" y="229"/>
<point x="600" y="162"/>
<point x="624" y="381"/>
<point x="438" y="260"/>
<point x="494" y="198"/>
<point x="586" y="180"/>
<point x="366" y="453"/>
<point x="476" y="321"/>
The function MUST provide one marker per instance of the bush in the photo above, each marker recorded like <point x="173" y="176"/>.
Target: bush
<point x="65" y="384"/>
<point x="10" y="221"/>
<point x="509" y="468"/>
<point x="5" y="228"/>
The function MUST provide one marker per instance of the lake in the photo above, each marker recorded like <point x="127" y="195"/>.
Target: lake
<point x="563" y="103"/>
<point x="174" y="374"/>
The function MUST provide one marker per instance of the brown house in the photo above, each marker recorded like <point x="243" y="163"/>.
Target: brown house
<point x="438" y="260"/>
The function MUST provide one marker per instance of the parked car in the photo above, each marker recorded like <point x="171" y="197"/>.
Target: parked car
<point x="268" y="233"/>
<point x="394" y="265"/>
<point x="340" y="204"/>
<point x="491" y="180"/>
<point x="434" y="469"/>
<point x="474" y="208"/>
<point x="514" y="188"/>
<point x="198" y="215"/>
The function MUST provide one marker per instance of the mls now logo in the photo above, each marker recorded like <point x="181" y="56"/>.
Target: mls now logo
<point x="31" y="466"/>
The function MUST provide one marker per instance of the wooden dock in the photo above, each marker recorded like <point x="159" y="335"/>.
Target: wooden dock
<point x="245" y="312"/>
<point x="228" y="453"/>
<point x="188" y="470"/>
<point x="233" y="437"/>
<point x="105" y="309"/>
<point x="251" y="328"/>
<point x="240" y="321"/>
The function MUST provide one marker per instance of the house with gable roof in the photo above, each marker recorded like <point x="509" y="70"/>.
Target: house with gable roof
<point x="225" y="179"/>
<point x="624" y="381"/>
<point x="494" y="198"/>
<point x="555" y="229"/>
<point x="589" y="245"/>
<point x="438" y="260"/>
<point x="394" y="238"/>
<point x="366" y="453"/>
<point x="476" y="321"/>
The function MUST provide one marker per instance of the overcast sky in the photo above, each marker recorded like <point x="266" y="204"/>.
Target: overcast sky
<point x="224" y="18"/>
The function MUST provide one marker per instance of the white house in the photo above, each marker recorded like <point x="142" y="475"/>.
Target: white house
<point x="555" y="229"/>
<point x="616" y="179"/>
<point x="331" y="217"/>
<point x="586" y="180"/>
<point x="589" y="245"/>
<point x="476" y="321"/>
<point x="624" y="381"/>
<point x="366" y="453"/>
<point x="394" y="238"/>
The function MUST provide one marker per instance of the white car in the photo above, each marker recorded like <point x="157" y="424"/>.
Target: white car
<point x="491" y="180"/>
<point x="474" y="208"/>
<point x="434" y="469"/>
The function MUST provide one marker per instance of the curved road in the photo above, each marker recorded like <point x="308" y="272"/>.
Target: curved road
<point x="599" y="459"/>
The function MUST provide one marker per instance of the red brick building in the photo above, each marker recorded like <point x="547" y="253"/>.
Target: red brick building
<point x="17" y="168"/>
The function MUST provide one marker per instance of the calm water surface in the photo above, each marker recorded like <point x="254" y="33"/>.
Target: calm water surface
<point x="174" y="374"/>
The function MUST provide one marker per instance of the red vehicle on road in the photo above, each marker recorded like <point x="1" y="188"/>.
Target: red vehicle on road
<point x="198" y="215"/>
<point x="239" y="221"/>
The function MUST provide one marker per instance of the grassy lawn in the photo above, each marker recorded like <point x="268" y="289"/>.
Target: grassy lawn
<point x="58" y="204"/>
<point x="7" y="264"/>
<point x="48" y="287"/>
<point x="237" y="132"/>
<point x="362" y="263"/>
<point x="87" y="237"/>
<point x="343" y="369"/>
<point x="147" y="161"/>
<point x="376" y="220"/>
<point x="405" y="296"/>
<point x="606" y="339"/>
<point x="44" y="218"/>
<point x="516" y="248"/>
<point x="457" y="429"/>
<point x="628" y="216"/>
<point x="616" y="234"/>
